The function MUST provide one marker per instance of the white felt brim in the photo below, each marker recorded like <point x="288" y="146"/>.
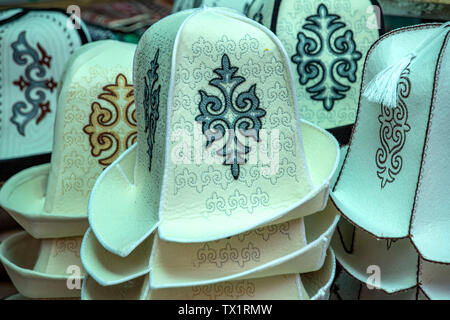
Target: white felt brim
<point x="315" y="286"/>
<point x="19" y="254"/>
<point x="361" y="255"/>
<point x="23" y="196"/>
<point x="109" y="269"/>
<point x="136" y="289"/>
<point x="138" y="218"/>
<point x="319" y="230"/>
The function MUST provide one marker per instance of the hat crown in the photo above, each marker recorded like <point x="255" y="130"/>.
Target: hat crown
<point x="233" y="130"/>
<point x="388" y="147"/>
<point x="95" y="122"/>
<point x="327" y="43"/>
<point x="35" y="45"/>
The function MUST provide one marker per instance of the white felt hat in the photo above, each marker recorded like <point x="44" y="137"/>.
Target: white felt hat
<point x="34" y="48"/>
<point x="190" y="87"/>
<point x="95" y="122"/>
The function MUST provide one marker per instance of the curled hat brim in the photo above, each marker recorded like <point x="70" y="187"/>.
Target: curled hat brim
<point x="136" y="218"/>
<point x="23" y="196"/>
<point x="109" y="269"/>
<point x="19" y="254"/>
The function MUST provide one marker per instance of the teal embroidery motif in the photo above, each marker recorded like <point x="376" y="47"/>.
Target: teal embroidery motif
<point x="34" y="83"/>
<point x="230" y="116"/>
<point x="311" y="56"/>
<point x="151" y="105"/>
<point x="257" y="16"/>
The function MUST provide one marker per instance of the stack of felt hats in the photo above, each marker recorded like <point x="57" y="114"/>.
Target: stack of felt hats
<point x="393" y="185"/>
<point x="31" y="68"/>
<point x="95" y="122"/>
<point x="224" y="196"/>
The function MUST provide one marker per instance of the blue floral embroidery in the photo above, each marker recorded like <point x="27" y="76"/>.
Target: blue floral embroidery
<point x="220" y="117"/>
<point x="34" y="82"/>
<point x="311" y="55"/>
<point x="151" y="105"/>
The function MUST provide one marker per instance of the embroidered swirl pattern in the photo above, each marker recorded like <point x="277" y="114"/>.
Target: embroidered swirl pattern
<point x="151" y="105"/>
<point x="34" y="83"/>
<point x="70" y="245"/>
<point x="227" y="254"/>
<point x="108" y="137"/>
<point x="311" y="58"/>
<point x="227" y="290"/>
<point x="393" y="129"/>
<point x="267" y="232"/>
<point x="235" y="117"/>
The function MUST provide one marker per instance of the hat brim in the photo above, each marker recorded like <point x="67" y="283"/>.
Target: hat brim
<point x="109" y="269"/>
<point x="19" y="254"/>
<point x="313" y="286"/>
<point x="357" y="251"/>
<point x="306" y="258"/>
<point x="137" y="219"/>
<point x="23" y="196"/>
<point x="136" y="289"/>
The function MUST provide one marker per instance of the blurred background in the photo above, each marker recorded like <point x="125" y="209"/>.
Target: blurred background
<point x="127" y="21"/>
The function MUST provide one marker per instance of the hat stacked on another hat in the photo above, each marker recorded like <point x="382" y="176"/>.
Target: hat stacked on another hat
<point x="34" y="48"/>
<point x="95" y="123"/>
<point x="393" y="186"/>
<point x="224" y="191"/>
<point x="327" y="41"/>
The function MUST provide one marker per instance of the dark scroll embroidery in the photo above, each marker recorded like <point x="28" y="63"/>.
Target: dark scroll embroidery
<point x="393" y="129"/>
<point x="230" y="116"/>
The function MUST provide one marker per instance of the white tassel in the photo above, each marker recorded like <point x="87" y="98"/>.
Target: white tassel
<point x="383" y="87"/>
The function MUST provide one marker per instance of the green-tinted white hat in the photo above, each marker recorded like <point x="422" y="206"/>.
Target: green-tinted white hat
<point x="190" y="87"/>
<point x="393" y="180"/>
<point x="35" y="46"/>
<point x="95" y="122"/>
<point x="327" y="42"/>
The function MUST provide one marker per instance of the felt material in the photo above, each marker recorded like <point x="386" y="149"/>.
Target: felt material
<point x="381" y="185"/>
<point x="357" y="250"/>
<point x="95" y="122"/>
<point x="23" y="196"/>
<point x="288" y="248"/>
<point x="430" y="223"/>
<point x="35" y="46"/>
<point x="135" y="289"/>
<point x="109" y="269"/>
<point x="327" y="42"/>
<point x="39" y="268"/>
<point x="435" y="280"/>
<point x="173" y="67"/>
<point x="285" y="287"/>
<point x="239" y="5"/>
<point x="315" y="286"/>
